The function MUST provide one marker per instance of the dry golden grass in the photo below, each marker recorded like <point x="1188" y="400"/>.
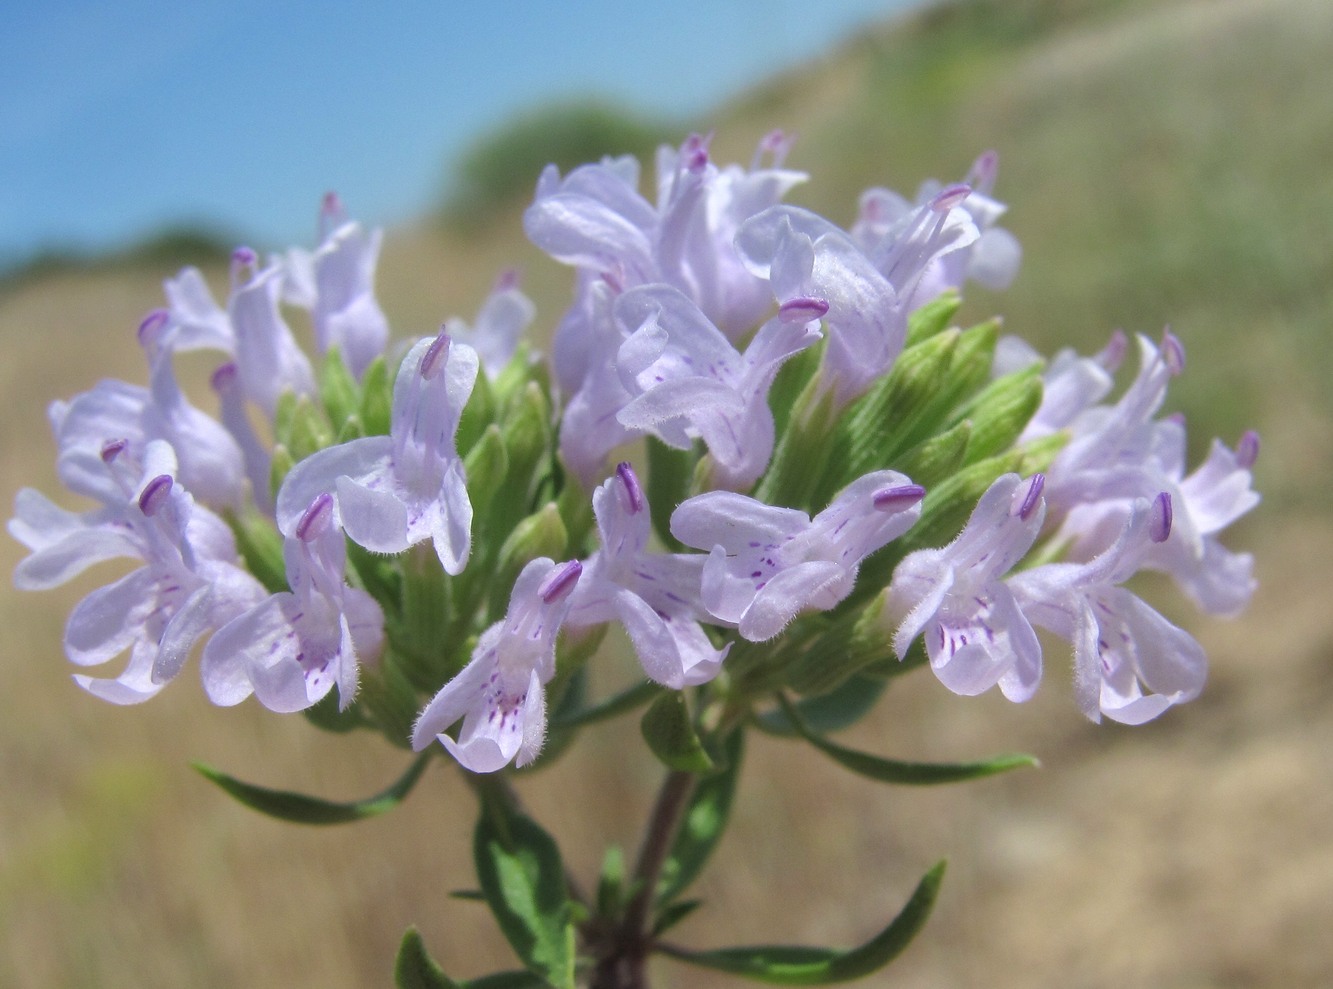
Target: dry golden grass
<point x="1193" y="852"/>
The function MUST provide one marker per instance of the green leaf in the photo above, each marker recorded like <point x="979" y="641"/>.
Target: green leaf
<point x="415" y="969"/>
<point x="626" y="700"/>
<point x="801" y="966"/>
<point x="301" y="809"/>
<point x="909" y="773"/>
<point x="507" y="980"/>
<point x="670" y="734"/>
<point x="523" y="878"/>
<point x="703" y="823"/>
<point x="828" y="712"/>
<point x="672" y="914"/>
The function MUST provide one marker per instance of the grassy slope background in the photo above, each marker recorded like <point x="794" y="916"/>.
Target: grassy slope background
<point x="1163" y="161"/>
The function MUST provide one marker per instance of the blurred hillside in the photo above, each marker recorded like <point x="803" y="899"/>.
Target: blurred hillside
<point x="1165" y="161"/>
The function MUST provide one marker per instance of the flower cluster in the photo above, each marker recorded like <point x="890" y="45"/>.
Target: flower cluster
<point x="760" y="448"/>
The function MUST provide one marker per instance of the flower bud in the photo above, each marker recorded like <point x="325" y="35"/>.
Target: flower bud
<point x="1001" y="411"/>
<point x="338" y="390"/>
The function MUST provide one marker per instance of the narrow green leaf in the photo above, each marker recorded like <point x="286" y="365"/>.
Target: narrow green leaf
<point x="523" y="878"/>
<point x="829" y="712"/>
<point x="703" y="823"/>
<point x="670" y="734"/>
<point x="909" y="773"/>
<point x="626" y="700"/>
<point x="507" y="980"/>
<point x="672" y="914"/>
<point x="415" y="969"/>
<point x="800" y="966"/>
<point x="302" y="809"/>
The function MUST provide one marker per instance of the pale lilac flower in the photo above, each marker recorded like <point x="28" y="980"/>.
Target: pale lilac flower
<point x="589" y="427"/>
<point x="868" y="292"/>
<point x="250" y="330"/>
<point x="992" y="259"/>
<point x="1216" y="494"/>
<point x="196" y="321"/>
<point x="1070" y="382"/>
<point x="293" y="647"/>
<point x="1121" y="453"/>
<point x="1204" y="503"/>
<point x="500" y="695"/>
<point x="337" y="284"/>
<point x="595" y="219"/>
<point x="654" y="595"/>
<point x="975" y="634"/>
<point x="504" y="314"/>
<point x="1130" y="663"/>
<point x="255" y="453"/>
<point x="210" y="463"/>
<point x="701" y="258"/>
<point x="189" y="583"/>
<point x="687" y="379"/>
<point x="767" y="564"/>
<point x="395" y="491"/>
<point x="267" y="356"/>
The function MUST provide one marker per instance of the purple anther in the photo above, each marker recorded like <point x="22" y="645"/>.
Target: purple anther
<point x="331" y="214"/>
<point x="155" y="494"/>
<point x="1173" y="352"/>
<point x="694" y="152"/>
<point x="898" y="498"/>
<point x="1247" y="450"/>
<point x="316" y="519"/>
<point x="506" y="280"/>
<point x="243" y="264"/>
<point x="631" y="483"/>
<point x="614" y="279"/>
<point x="1159" y="525"/>
<point x="112" y="449"/>
<point x="150" y="328"/>
<point x="560" y="581"/>
<point x="224" y="378"/>
<point x="775" y="143"/>
<point x="1175" y="418"/>
<point x="331" y="206"/>
<point x="1114" y="352"/>
<point x="802" y="309"/>
<point x="1027" y="498"/>
<point x="949" y="197"/>
<point x="982" y="175"/>
<point x="436" y="355"/>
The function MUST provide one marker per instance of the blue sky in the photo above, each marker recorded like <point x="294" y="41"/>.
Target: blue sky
<point x="118" y="118"/>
